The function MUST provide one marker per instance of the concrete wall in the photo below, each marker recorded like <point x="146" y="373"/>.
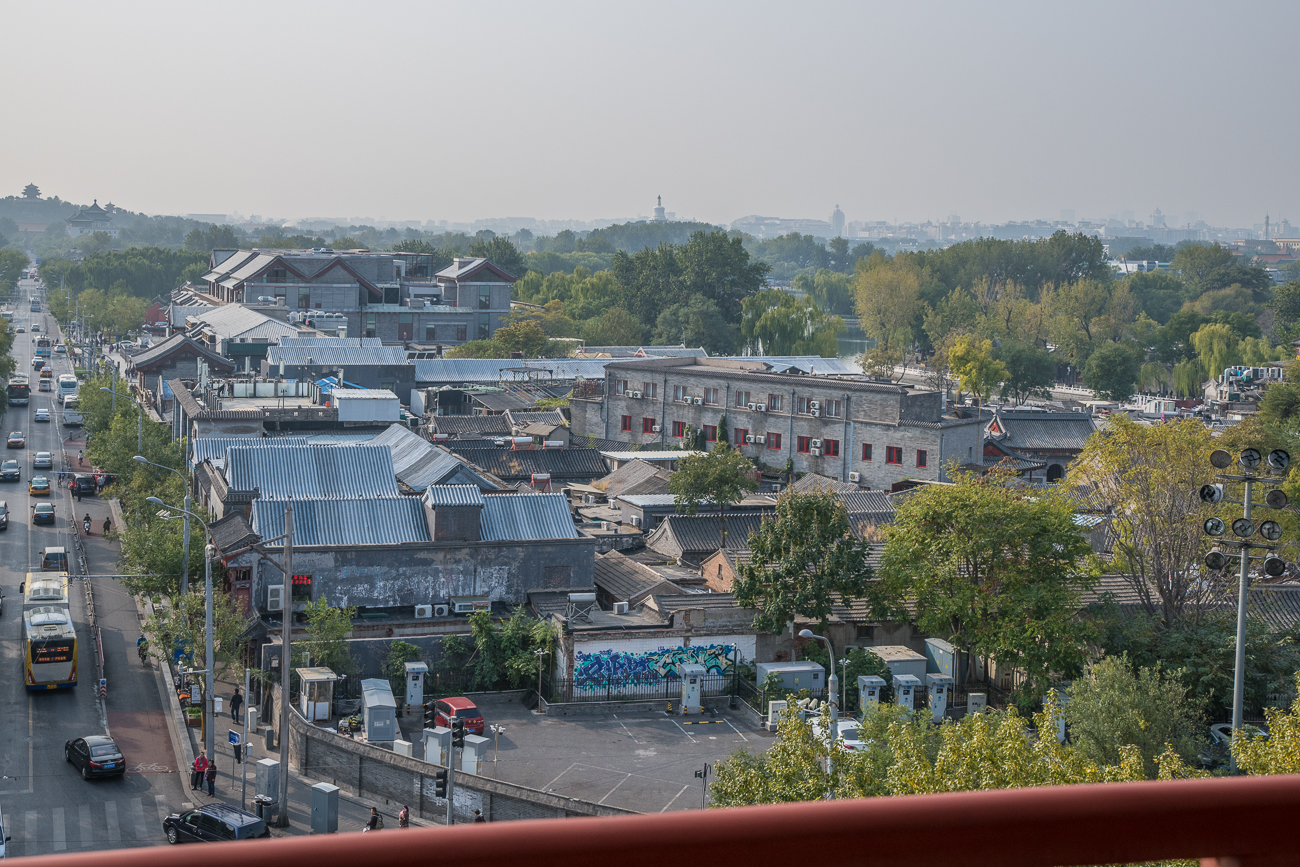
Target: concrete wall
<point x="391" y="575"/>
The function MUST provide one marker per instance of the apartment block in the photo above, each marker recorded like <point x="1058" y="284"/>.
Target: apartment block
<point x="848" y="428"/>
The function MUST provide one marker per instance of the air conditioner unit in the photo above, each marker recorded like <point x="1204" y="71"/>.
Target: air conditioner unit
<point x="656" y="428"/>
<point x="606" y="525"/>
<point x="776" y="489"/>
<point x="699" y="401"/>
<point x="634" y="520"/>
<point x="762" y="407"/>
<point x="441" y="610"/>
<point x="816" y="444"/>
<point x="752" y="407"/>
<point x="817" y="453"/>
<point x="749" y="438"/>
<point x="636" y="394"/>
<point x="275" y="597"/>
<point x="817" y="413"/>
<point x="855" y="477"/>
<point x="423" y="612"/>
<point x="760" y="439"/>
<point x="589" y="499"/>
<point x="815" y="404"/>
<point x="620" y="607"/>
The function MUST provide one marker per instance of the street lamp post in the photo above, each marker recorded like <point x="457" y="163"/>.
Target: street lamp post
<point x="208" y="552"/>
<point x="185" y="555"/>
<point x="139" y="419"/>
<point x="1244" y="529"/>
<point x="539" y="653"/>
<point x="832" y="687"/>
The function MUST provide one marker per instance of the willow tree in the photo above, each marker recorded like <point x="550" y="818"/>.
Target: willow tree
<point x="887" y="297"/>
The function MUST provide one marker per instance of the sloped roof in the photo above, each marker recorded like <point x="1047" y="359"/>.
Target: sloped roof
<point x="463" y="269"/>
<point x="464" y="371"/>
<point x="327" y="355"/>
<point x="231" y="532"/>
<point x="538" y="429"/>
<point x="453" y="495"/>
<point x="344" y="522"/>
<point x="535" y="416"/>
<point x="363" y="472"/>
<point x="871" y="502"/>
<point x="814" y="482"/>
<point x="633" y="474"/>
<point x="1040" y="431"/>
<point x="519" y="517"/>
<point x="696" y="536"/>
<point x="501" y="401"/>
<point x="232" y="321"/>
<point x="214" y="448"/>
<point x="479" y="424"/>
<point x="625" y="579"/>
<point x="418" y="463"/>
<point x="175" y="343"/>
<point x="569" y="464"/>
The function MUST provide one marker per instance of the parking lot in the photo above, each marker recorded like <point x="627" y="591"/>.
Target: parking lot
<point x="643" y="761"/>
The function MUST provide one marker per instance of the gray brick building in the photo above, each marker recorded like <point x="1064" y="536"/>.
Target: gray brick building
<point x="848" y="428"/>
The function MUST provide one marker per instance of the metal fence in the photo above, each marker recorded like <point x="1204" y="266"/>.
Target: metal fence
<point x="638" y="688"/>
<point x="758" y="698"/>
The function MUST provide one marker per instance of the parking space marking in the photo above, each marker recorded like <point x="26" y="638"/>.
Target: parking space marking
<point x="616" y="785"/>
<point x="684" y="731"/>
<point x="736" y="730"/>
<point x="628" y="730"/>
<point x="675" y="797"/>
<point x="703" y="722"/>
<point x="547" y="787"/>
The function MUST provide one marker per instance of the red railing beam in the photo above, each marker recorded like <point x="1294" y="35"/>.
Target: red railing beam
<point x="1243" y="821"/>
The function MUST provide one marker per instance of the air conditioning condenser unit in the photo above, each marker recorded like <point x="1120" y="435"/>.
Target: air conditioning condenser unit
<point x="275" y="597"/>
<point x="699" y="401"/>
<point x="817" y="453"/>
<point x="620" y="607"/>
<point x="636" y="394"/>
<point x="855" y="477"/>
<point x="753" y="407"/>
<point x="816" y="444"/>
<point x="749" y="438"/>
<point x="760" y="439"/>
<point x="656" y="428"/>
<point x="423" y="612"/>
<point x="441" y="610"/>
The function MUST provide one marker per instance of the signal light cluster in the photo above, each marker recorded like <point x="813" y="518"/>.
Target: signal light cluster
<point x="1278" y="461"/>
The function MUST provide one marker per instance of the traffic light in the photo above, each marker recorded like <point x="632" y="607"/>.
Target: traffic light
<point x="458" y="733"/>
<point x="440" y="784"/>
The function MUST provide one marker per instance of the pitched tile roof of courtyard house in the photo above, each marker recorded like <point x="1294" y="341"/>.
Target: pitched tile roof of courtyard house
<point x="418" y="463"/>
<point x="625" y="580"/>
<point x="693" y="537"/>
<point x="1025" y="431"/>
<point x="567" y="464"/>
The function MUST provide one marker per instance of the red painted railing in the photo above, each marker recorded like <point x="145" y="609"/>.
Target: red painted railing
<point x="1244" y="821"/>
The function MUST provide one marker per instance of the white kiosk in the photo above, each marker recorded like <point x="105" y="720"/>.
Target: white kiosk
<point x="906" y="686"/>
<point x="692" y="676"/>
<point x="317" y="692"/>
<point x="870" y="689"/>
<point x="416" y="672"/>
<point x="940" y="688"/>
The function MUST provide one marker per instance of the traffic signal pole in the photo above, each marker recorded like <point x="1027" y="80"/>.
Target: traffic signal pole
<point x="1239" y="667"/>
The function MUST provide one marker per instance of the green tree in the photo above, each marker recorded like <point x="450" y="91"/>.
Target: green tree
<point x="614" y="327"/>
<point x="697" y="322"/>
<point x="1286" y="312"/>
<point x="992" y="568"/>
<point x="1030" y="371"/>
<point x="717" y="478"/>
<point x="832" y="290"/>
<point x="1113" y="706"/>
<point x="1278" y="752"/>
<point x="888" y="302"/>
<point x="214" y="238"/>
<point x="180" y="624"/>
<point x="975" y="367"/>
<point x="776" y="322"/>
<point x="12" y="265"/>
<point x="1160" y="293"/>
<point x="1112" y="371"/>
<point x="802" y="562"/>
<point x="326" y="644"/>
<point x="479" y="349"/>
<point x="503" y="656"/>
<point x="500" y="252"/>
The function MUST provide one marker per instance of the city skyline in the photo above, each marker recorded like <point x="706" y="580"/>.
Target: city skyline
<point x="1017" y="112"/>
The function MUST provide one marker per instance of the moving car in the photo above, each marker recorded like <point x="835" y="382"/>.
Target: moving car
<point x="445" y="710"/>
<point x="36" y="328"/>
<point x="39" y="486"/>
<point x="10" y="471"/>
<point x="61" y="348"/>
<point x="213" y="823"/>
<point x="4" y="517"/>
<point x="21" y="330"/>
<point x="16" y="440"/>
<point x="42" y="415"/>
<point x="43" y="513"/>
<point x="95" y="756"/>
<point x="38" y="363"/>
<point x="54" y="559"/>
<point x="43" y="461"/>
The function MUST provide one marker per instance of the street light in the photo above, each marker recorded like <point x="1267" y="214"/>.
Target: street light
<point x="208" y="552"/>
<point x="139" y="419"/>
<point x="1254" y="469"/>
<point x="832" y="687"/>
<point x="539" y="653"/>
<point x="185" y="562"/>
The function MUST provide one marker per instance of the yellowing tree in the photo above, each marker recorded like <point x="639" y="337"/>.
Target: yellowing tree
<point x="887" y="295"/>
<point x="973" y="364"/>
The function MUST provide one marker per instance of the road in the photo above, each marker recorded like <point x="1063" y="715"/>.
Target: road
<point x="47" y="807"/>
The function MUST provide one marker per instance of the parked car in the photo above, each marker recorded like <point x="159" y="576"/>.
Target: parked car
<point x="213" y="823"/>
<point x="39" y="486"/>
<point x="43" y="461"/>
<point x="445" y="710"/>
<point x="10" y="471"/>
<point x="43" y="513"/>
<point x="42" y="415"/>
<point x="53" y="559"/>
<point x="95" y="756"/>
<point x="85" y="483"/>
<point x="16" y="440"/>
<point x="4" y="515"/>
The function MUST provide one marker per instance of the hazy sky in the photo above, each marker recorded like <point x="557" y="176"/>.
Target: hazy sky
<point x="896" y="110"/>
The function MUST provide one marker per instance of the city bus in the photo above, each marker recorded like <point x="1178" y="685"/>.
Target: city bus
<point x="19" y="391"/>
<point x="43" y="347"/>
<point x="49" y="648"/>
<point x="45" y="589"/>
<point x="68" y="386"/>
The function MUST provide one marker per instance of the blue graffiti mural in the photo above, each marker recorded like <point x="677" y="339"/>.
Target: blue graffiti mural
<point x="596" y="670"/>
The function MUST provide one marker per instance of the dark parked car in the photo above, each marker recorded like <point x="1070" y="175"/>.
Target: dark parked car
<point x="85" y="483"/>
<point x="4" y="515"/>
<point x="10" y="471"/>
<point x="95" y="756"/>
<point x="213" y="823"/>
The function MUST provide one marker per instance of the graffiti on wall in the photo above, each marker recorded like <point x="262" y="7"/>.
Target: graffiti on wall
<point x="592" y="670"/>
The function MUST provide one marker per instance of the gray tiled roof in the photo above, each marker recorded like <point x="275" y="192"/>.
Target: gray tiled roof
<point x="477" y="424"/>
<point x="535" y="416"/>
<point x="419" y="463"/>
<point x="308" y="472"/>
<point x="625" y="579"/>
<point x="568" y="464"/>
<point x="814" y="482"/>
<point x="235" y="320"/>
<point x="453" y="495"/>
<point x="344" y="522"/>
<point x="509" y="517"/>
<point x="172" y="344"/>
<point x="322" y="354"/>
<point x="696" y="536"/>
<point x="632" y="475"/>
<point x="1039" y="431"/>
<point x="872" y="502"/>
<point x="231" y="532"/>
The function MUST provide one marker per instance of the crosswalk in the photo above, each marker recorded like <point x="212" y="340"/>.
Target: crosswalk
<point x="125" y="822"/>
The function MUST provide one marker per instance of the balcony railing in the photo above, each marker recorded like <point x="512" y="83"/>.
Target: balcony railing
<point x="1243" y="821"/>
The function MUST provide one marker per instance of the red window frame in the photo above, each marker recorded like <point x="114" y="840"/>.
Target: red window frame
<point x="647" y="425"/>
<point x="802" y="445"/>
<point x="774" y="441"/>
<point x="741" y="433"/>
<point x="922" y="458"/>
<point x="711" y="433"/>
<point x="627" y="423"/>
<point x="831" y="448"/>
<point x="679" y="429"/>
<point x="894" y="455"/>
<point x="866" y="451"/>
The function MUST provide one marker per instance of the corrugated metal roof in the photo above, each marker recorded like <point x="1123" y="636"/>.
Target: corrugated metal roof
<point x="453" y="495"/>
<point x="329" y="355"/>
<point x="342" y="523"/>
<point x="363" y="394"/>
<point x="214" y="448"/>
<point x="304" y="471"/>
<point x="455" y="371"/>
<point x="322" y="340"/>
<point x="526" y="516"/>
<point x="418" y="463"/>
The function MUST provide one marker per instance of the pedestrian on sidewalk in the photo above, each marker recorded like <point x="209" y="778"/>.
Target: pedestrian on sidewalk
<point x="478" y="816"/>
<point x="236" y="702"/>
<point x="200" y="766"/>
<point x="210" y="775"/>
<point x="376" y="822"/>
<point x="404" y="817"/>
<point x="79" y="460"/>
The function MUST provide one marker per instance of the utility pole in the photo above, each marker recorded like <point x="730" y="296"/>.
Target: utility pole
<point x="243" y="765"/>
<point x="282" y="816"/>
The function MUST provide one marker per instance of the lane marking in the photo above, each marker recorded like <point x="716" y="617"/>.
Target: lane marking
<point x="135" y="814"/>
<point x="560" y="774"/>
<point x="83" y="819"/>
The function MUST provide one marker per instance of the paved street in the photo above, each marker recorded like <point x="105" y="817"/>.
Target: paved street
<point x="47" y="806"/>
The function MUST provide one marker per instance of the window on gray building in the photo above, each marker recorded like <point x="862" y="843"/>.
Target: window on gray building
<point x="483" y="328"/>
<point x="484" y="299"/>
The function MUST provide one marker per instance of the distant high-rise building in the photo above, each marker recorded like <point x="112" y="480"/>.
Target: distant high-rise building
<point x="837" y="223"/>
<point x="659" y="216"/>
<point x="1266" y="227"/>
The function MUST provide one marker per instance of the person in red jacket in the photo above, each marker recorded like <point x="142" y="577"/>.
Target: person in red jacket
<point x="200" y="766"/>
